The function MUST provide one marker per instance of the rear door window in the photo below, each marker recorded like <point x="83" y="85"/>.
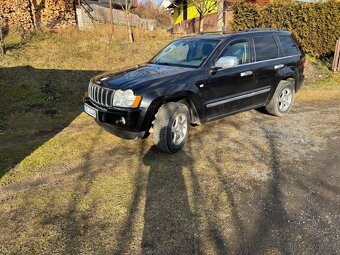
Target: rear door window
<point x="288" y="45"/>
<point x="265" y="48"/>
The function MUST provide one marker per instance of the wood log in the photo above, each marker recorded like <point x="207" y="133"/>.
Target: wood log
<point x="49" y="12"/>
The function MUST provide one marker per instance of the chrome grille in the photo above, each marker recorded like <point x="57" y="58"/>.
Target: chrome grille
<point x="100" y="95"/>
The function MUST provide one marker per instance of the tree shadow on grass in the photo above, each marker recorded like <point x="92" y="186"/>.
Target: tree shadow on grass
<point x="274" y="213"/>
<point x="267" y="218"/>
<point x="169" y="225"/>
<point x="35" y="105"/>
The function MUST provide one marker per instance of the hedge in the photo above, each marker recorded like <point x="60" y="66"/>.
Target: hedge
<point x="316" y="25"/>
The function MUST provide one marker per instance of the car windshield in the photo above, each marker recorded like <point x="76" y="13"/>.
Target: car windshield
<point x="186" y="53"/>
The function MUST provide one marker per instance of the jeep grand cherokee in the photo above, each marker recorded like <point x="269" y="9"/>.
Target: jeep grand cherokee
<point x="198" y="79"/>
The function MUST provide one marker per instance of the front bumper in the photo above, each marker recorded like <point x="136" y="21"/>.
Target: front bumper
<point x="125" y="134"/>
<point x="120" y="122"/>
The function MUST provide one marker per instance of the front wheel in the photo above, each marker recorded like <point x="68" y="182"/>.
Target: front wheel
<point x="171" y="127"/>
<point x="282" y="100"/>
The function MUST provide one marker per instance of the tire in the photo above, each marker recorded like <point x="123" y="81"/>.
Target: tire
<point x="282" y="100"/>
<point x="171" y="127"/>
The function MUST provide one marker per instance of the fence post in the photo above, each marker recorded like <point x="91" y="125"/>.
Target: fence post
<point x="336" y="60"/>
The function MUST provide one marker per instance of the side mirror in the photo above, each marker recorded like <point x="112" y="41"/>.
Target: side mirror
<point x="226" y="62"/>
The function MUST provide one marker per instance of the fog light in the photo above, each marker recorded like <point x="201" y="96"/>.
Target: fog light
<point x="120" y="121"/>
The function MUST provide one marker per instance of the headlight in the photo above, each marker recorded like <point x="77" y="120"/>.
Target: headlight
<point x="126" y="98"/>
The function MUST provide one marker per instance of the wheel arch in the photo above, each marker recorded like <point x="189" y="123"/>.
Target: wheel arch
<point x="184" y="99"/>
<point x="289" y="74"/>
<point x="292" y="79"/>
<point x="158" y="102"/>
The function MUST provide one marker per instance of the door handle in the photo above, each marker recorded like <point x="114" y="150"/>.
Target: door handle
<point x="278" y="66"/>
<point x="247" y="73"/>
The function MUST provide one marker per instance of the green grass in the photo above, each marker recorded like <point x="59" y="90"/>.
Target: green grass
<point x="327" y="82"/>
<point x="318" y="75"/>
<point x="44" y="78"/>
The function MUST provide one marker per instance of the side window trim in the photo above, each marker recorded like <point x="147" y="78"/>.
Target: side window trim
<point x="298" y="45"/>
<point x="280" y="47"/>
<point x="267" y="60"/>
<point x="252" y="53"/>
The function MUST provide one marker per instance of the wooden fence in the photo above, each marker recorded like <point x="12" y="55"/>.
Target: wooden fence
<point x="336" y="60"/>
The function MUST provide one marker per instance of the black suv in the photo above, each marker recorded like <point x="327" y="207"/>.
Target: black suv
<point x="198" y="79"/>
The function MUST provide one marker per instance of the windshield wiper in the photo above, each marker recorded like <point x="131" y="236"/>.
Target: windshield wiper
<point x="165" y="63"/>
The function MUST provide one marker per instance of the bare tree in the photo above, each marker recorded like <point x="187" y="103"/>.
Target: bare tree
<point x="127" y="6"/>
<point x="2" y="45"/>
<point x="204" y="7"/>
<point x="149" y="9"/>
<point x="111" y="19"/>
<point x="3" y="33"/>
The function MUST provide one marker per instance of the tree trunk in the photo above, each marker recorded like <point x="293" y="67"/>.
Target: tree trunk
<point x="2" y="46"/>
<point x="220" y="16"/>
<point x="201" y="25"/>
<point x="2" y="36"/>
<point x="131" y="39"/>
<point x="225" y="18"/>
<point x="111" y="20"/>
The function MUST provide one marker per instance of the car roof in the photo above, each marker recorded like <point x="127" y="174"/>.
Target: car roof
<point x="245" y="33"/>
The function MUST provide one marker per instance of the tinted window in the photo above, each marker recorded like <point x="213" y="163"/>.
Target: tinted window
<point x="265" y="48"/>
<point x="238" y="49"/>
<point x="288" y="45"/>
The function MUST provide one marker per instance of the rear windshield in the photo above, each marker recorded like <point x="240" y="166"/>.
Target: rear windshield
<point x="265" y="48"/>
<point x="186" y="53"/>
<point x="288" y="45"/>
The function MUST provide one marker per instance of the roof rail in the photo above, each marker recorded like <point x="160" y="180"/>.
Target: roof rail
<point x="216" y="32"/>
<point x="264" y="29"/>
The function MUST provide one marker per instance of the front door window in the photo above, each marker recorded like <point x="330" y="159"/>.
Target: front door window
<point x="238" y="49"/>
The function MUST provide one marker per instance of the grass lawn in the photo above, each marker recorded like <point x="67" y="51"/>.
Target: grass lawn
<point x="43" y="81"/>
<point x="244" y="184"/>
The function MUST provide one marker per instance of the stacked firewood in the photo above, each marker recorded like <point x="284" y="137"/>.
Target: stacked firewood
<point x="56" y="13"/>
<point x="30" y="14"/>
<point x="16" y="12"/>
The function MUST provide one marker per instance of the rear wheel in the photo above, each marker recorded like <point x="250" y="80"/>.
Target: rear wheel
<point x="282" y="100"/>
<point x="171" y="127"/>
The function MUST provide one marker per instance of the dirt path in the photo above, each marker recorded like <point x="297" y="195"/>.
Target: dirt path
<point x="248" y="184"/>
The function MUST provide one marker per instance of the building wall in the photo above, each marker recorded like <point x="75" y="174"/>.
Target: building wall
<point x="101" y="14"/>
<point x="191" y="12"/>
<point x="210" y="23"/>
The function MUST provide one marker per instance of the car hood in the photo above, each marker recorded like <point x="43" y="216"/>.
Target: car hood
<point x="138" y="76"/>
